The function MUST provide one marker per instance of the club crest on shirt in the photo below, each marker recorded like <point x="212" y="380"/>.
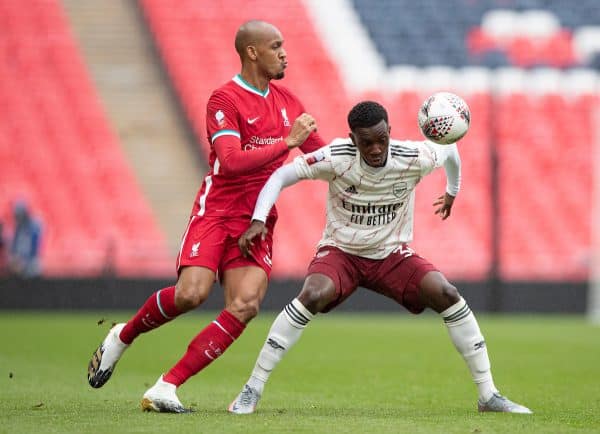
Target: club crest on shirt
<point x="351" y="190"/>
<point x="286" y="121"/>
<point x="399" y="189"/>
<point x="220" y="117"/>
<point x="194" y="251"/>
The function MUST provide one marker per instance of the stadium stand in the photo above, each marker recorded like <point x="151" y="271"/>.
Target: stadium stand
<point x="188" y="28"/>
<point x="196" y="42"/>
<point x="59" y="153"/>
<point x="532" y="104"/>
<point x="542" y="128"/>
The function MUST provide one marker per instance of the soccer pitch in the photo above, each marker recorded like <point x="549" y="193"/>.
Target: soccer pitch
<point x="348" y="374"/>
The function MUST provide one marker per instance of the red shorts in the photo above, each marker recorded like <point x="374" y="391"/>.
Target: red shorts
<point x="397" y="276"/>
<point x="212" y="242"/>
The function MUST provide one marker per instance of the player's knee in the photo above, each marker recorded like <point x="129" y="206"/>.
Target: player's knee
<point x="190" y="295"/>
<point x="316" y="298"/>
<point x="450" y="294"/>
<point x="244" y="310"/>
<point x="437" y="293"/>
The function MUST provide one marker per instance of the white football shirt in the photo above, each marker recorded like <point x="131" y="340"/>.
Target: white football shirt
<point x="370" y="210"/>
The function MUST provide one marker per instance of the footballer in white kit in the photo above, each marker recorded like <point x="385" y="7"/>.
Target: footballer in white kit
<point x="370" y="208"/>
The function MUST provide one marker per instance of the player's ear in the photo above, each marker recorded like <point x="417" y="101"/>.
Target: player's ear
<point x="251" y="52"/>
<point x="351" y="135"/>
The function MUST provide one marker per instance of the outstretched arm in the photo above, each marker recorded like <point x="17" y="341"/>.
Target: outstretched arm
<point x="451" y="161"/>
<point x="280" y="179"/>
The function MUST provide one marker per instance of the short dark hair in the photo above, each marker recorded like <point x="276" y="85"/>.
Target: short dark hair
<point x="366" y="114"/>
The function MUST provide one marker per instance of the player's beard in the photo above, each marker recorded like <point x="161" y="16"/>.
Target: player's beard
<point x="279" y="76"/>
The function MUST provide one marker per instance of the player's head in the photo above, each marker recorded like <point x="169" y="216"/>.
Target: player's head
<point x="370" y="132"/>
<point x="260" y="46"/>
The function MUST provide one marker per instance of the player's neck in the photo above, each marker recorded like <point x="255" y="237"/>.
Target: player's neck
<point x="260" y="82"/>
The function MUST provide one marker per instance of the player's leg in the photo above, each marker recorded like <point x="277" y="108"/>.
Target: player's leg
<point x="245" y="288"/>
<point x="437" y="293"/>
<point x="319" y="293"/>
<point x="196" y="277"/>
<point x="192" y="289"/>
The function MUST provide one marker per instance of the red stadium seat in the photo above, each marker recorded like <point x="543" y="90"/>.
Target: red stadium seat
<point x="545" y="195"/>
<point x="539" y="190"/>
<point x="191" y="40"/>
<point x="58" y="152"/>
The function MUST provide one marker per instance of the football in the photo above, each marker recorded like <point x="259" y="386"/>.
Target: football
<point x="444" y="118"/>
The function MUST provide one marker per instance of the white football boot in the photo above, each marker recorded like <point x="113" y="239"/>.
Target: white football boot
<point x="246" y="401"/>
<point x="502" y="404"/>
<point x="162" y="398"/>
<point x="105" y="358"/>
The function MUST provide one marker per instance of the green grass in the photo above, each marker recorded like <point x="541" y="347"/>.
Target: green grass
<point x="349" y="373"/>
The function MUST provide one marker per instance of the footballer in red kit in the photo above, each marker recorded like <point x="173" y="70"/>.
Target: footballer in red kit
<point x="240" y="120"/>
<point x="252" y="125"/>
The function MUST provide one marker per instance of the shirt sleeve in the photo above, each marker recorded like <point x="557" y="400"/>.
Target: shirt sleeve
<point x="280" y="179"/>
<point x="221" y="117"/>
<point x="316" y="165"/>
<point x="234" y="161"/>
<point x="452" y="166"/>
<point x="433" y="156"/>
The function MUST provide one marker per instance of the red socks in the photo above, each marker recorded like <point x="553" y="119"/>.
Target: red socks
<point x="209" y="344"/>
<point x="158" y="310"/>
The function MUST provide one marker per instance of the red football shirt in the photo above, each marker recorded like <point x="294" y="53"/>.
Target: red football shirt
<point x="253" y="126"/>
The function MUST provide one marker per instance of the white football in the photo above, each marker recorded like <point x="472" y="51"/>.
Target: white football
<point x="444" y="118"/>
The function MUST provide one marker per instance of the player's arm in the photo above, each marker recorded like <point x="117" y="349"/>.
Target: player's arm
<point x="432" y="156"/>
<point x="450" y="159"/>
<point x="280" y="179"/>
<point x="316" y="165"/>
<point x="225" y="137"/>
<point x="235" y="161"/>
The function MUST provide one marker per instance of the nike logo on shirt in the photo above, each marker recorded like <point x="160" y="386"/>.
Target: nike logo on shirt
<point x="251" y="121"/>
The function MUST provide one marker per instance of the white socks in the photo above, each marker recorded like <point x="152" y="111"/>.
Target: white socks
<point x="462" y="327"/>
<point x="466" y="336"/>
<point x="285" y="332"/>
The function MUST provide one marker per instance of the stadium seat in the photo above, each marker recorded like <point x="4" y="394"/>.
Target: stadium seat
<point x="521" y="120"/>
<point x="58" y="152"/>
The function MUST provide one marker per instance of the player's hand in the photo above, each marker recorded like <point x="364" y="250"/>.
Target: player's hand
<point x="444" y="204"/>
<point x="303" y="126"/>
<point x="246" y="240"/>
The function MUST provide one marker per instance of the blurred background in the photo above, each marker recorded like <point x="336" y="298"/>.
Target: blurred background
<point x="103" y="141"/>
